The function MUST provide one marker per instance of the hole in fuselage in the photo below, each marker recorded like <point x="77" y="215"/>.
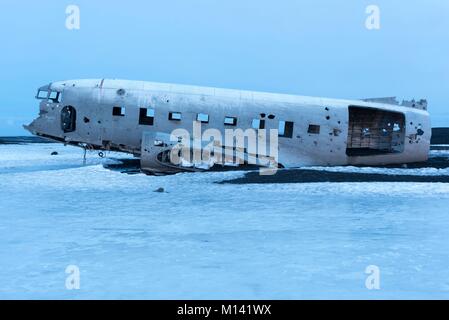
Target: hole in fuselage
<point x="373" y="131"/>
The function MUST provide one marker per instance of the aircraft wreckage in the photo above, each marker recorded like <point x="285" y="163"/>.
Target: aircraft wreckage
<point x="174" y="128"/>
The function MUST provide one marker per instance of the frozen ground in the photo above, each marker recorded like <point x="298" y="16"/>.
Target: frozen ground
<point x="206" y="240"/>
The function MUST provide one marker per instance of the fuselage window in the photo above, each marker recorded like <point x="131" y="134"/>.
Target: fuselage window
<point x="314" y="129"/>
<point x="68" y="119"/>
<point x="202" y="117"/>
<point x="230" y="121"/>
<point x="175" y="116"/>
<point x="286" y="129"/>
<point x="146" y="116"/>
<point x="258" y="124"/>
<point x="118" y="111"/>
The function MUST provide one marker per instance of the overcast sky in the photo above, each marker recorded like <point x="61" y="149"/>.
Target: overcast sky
<point x="310" y="47"/>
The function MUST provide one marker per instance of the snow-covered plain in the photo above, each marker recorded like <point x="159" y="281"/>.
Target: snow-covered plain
<point x="203" y="240"/>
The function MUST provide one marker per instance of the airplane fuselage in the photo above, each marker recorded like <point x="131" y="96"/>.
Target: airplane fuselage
<point x="124" y="115"/>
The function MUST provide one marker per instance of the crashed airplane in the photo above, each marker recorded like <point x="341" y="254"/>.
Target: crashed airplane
<point x="154" y="121"/>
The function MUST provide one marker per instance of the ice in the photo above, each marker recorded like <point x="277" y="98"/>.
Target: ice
<point x="203" y="240"/>
<point x="37" y="157"/>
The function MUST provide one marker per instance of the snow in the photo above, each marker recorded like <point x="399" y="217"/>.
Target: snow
<point x="203" y="240"/>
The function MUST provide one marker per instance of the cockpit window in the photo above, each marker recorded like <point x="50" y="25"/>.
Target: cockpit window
<point x="42" y="94"/>
<point x="55" y="96"/>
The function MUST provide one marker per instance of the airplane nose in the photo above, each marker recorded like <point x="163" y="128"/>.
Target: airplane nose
<point x="31" y="127"/>
<point x="28" y="128"/>
<point x="44" y="123"/>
